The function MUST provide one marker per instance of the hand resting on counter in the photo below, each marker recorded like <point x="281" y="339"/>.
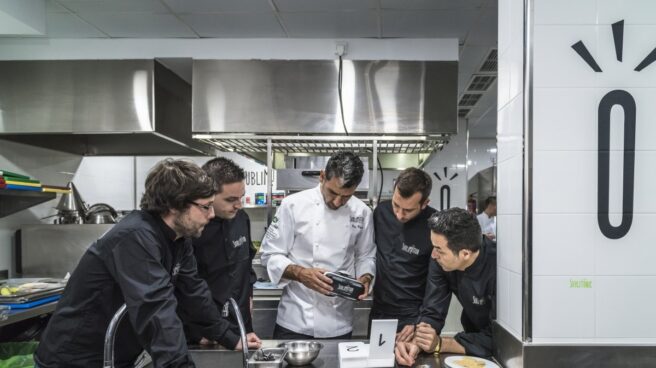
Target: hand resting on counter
<point x="254" y="342"/>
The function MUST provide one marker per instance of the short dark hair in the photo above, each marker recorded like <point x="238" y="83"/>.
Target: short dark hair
<point x="489" y="201"/>
<point x="459" y="227"/>
<point x="413" y="180"/>
<point x="172" y="184"/>
<point x="347" y="166"/>
<point x="224" y="171"/>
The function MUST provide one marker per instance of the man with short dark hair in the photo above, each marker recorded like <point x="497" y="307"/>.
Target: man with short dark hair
<point x="403" y="250"/>
<point x="465" y="265"/>
<point x="224" y="252"/>
<point x="314" y="231"/>
<point x="145" y="261"/>
<point x="487" y="218"/>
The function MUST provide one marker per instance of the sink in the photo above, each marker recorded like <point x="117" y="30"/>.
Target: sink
<point x="217" y="358"/>
<point x="213" y="358"/>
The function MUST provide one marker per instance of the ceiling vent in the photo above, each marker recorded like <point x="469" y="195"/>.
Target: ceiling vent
<point x="469" y="99"/>
<point x="490" y="63"/>
<point x="481" y="83"/>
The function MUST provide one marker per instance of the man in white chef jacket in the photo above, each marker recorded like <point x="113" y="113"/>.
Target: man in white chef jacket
<point x="314" y="231"/>
<point x="488" y="218"/>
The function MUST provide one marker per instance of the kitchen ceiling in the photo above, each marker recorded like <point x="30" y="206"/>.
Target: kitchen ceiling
<point x="473" y="22"/>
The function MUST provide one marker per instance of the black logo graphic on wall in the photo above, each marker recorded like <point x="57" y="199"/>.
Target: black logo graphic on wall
<point x="625" y="100"/>
<point x="445" y="190"/>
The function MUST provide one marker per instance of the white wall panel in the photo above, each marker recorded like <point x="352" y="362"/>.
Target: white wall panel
<point x="509" y="256"/>
<point x="511" y="118"/>
<point x="625" y="306"/>
<point x="563" y="307"/>
<point x="503" y="82"/>
<point x="564" y="244"/>
<point x="565" y="118"/>
<point x="516" y="67"/>
<point x="516" y="302"/>
<point x="564" y="182"/>
<point x="638" y="42"/>
<point x="503" y="295"/>
<point x="509" y="187"/>
<point x="504" y="23"/>
<point x="555" y="63"/>
<point x="509" y="147"/>
<point x="645" y="179"/>
<point x="632" y="255"/>
<point x="481" y="154"/>
<point x="567" y="241"/>
<point x="578" y="12"/>
<point x="633" y="11"/>
<point x="510" y="154"/>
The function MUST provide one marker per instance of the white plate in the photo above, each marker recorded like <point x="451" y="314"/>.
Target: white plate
<point x="451" y="361"/>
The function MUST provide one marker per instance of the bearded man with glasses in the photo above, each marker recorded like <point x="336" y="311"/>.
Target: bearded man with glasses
<point x="145" y="261"/>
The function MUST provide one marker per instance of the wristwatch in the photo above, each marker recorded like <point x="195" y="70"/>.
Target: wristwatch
<point x="436" y="352"/>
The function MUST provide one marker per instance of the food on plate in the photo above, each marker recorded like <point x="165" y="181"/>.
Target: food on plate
<point x="468" y="362"/>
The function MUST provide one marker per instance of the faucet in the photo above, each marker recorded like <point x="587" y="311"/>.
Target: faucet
<point x="240" y="322"/>
<point x="108" y="354"/>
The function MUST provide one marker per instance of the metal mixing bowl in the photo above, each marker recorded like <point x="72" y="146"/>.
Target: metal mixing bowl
<point x="301" y="352"/>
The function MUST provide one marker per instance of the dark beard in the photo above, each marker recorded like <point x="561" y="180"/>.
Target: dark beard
<point x="184" y="231"/>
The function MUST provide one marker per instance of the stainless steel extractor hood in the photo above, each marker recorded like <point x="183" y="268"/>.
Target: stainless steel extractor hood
<point x="97" y="107"/>
<point x="409" y="105"/>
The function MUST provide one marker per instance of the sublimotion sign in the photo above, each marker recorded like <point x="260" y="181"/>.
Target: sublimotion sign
<point x="625" y="100"/>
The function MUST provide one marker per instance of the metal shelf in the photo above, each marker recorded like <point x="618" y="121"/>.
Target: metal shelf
<point x="12" y="201"/>
<point x="323" y="144"/>
<point x="17" y="315"/>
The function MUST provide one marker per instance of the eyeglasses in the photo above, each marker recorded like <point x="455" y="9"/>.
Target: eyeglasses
<point x="204" y="207"/>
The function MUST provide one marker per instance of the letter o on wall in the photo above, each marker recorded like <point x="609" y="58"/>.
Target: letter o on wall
<point x="627" y="102"/>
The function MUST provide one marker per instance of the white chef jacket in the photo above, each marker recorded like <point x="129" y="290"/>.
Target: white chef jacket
<point x="307" y="233"/>
<point x="488" y="224"/>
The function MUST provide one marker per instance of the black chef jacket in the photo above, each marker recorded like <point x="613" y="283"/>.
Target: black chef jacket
<point x="475" y="289"/>
<point x="139" y="263"/>
<point x="224" y="253"/>
<point x="403" y="255"/>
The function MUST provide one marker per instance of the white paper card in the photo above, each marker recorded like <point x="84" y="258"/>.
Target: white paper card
<point x="383" y="334"/>
<point x="353" y="354"/>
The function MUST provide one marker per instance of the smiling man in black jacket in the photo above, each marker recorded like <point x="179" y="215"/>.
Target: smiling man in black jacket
<point x="465" y="265"/>
<point x="403" y="250"/>
<point x="224" y="251"/>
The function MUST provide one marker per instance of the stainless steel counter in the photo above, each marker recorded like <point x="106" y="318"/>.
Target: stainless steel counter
<point x="17" y="315"/>
<point x="265" y="311"/>
<point x="328" y="358"/>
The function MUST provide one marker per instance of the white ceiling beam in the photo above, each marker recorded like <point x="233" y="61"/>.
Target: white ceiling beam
<point x="235" y="49"/>
<point x="22" y="17"/>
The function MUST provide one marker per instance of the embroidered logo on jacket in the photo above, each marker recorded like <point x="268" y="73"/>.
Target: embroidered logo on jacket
<point x="410" y="249"/>
<point x="478" y="301"/>
<point x="273" y="231"/>
<point x="357" y="222"/>
<point x="239" y="242"/>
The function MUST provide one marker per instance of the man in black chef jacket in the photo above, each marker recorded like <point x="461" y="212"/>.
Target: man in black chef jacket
<point x="145" y="261"/>
<point x="465" y="265"/>
<point x="224" y="252"/>
<point x="403" y="250"/>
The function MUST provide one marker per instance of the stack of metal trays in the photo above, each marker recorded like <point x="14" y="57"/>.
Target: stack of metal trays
<point x="16" y="291"/>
